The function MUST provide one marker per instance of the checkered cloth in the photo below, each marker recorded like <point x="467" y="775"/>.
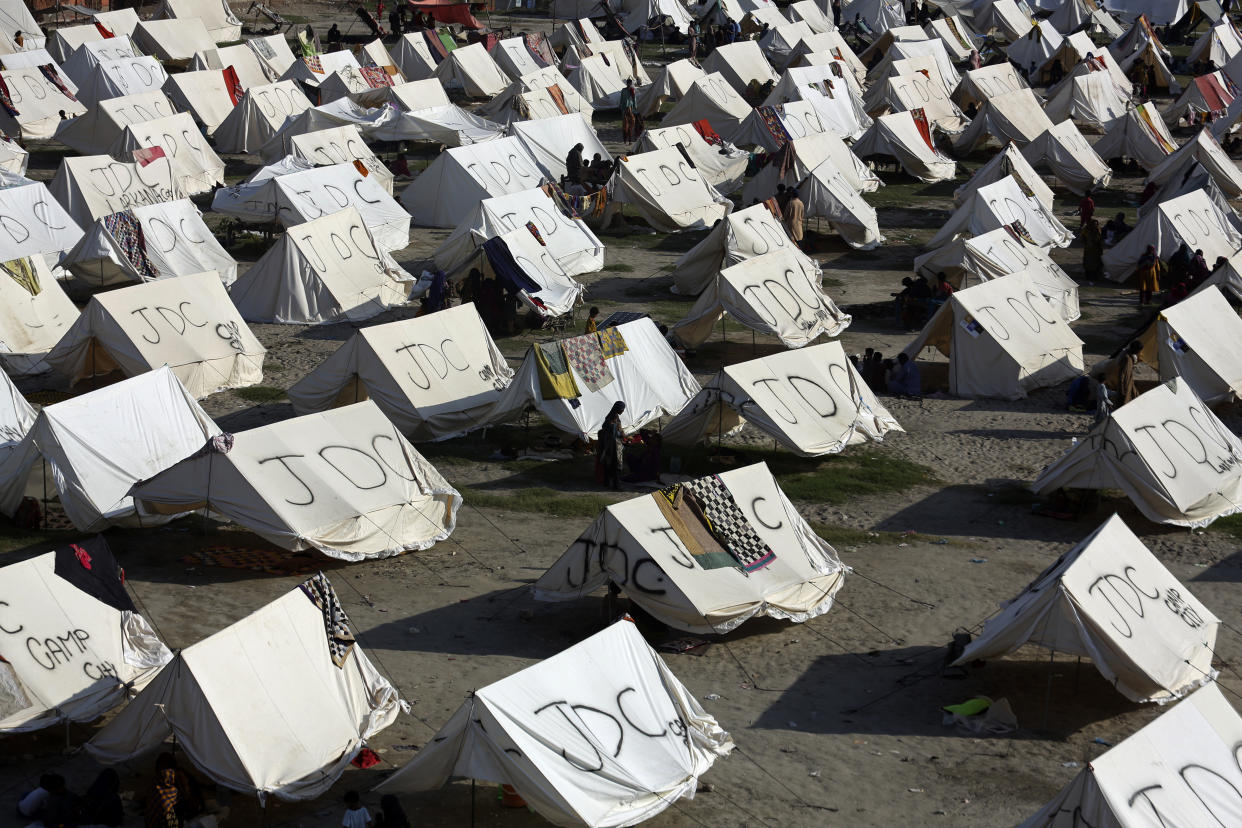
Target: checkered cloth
<point x="336" y="623"/>
<point x="375" y="76"/>
<point x="730" y="525"/>
<point x="611" y="342"/>
<point x="125" y="228"/>
<point x="313" y="63"/>
<point x="584" y="354"/>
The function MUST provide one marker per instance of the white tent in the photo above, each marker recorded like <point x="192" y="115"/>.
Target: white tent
<point x="531" y="96"/>
<point x="369" y="88"/>
<point x="1140" y="134"/>
<point x="195" y="166"/>
<point x="186" y="323"/>
<point x="923" y="48"/>
<point x="36" y="104"/>
<point x="711" y="99"/>
<point x="515" y="59"/>
<point x="1162" y="77"/>
<point x="448" y="125"/>
<point x="420" y="94"/>
<point x="879" y="15"/>
<point x="33" y="59"/>
<point x="549" y="140"/>
<point x="345" y="482"/>
<point x="779" y="42"/>
<point x="570" y="242"/>
<point x="1072" y="160"/>
<point x="340" y="145"/>
<point x="878" y="48"/>
<point x="995" y="205"/>
<point x="414" y="57"/>
<point x="1004" y="17"/>
<point x="1166" y="450"/>
<point x="16" y="16"/>
<point x="1205" y="151"/>
<point x="472" y="70"/>
<point x="16" y="418"/>
<point x="625" y="740"/>
<point x="674" y="567"/>
<point x="297" y="197"/>
<point x="620" y="53"/>
<point x="996" y="253"/>
<point x="666" y="190"/>
<point x="259" y="115"/>
<point x="277" y="704"/>
<point x="118" y="22"/>
<point x="1092" y="99"/>
<point x="102" y="442"/>
<point x="810" y="153"/>
<point x="436" y="376"/>
<point x="916" y="84"/>
<point x="324" y="270"/>
<point x="1199" y="340"/>
<point x="827" y="193"/>
<point x="1218" y="45"/>
<point x="311" y="72"/>
<point x="1207" y="97"/>
<point x="959" y="37"/>
<point x="740" y="64"/>
<point x="32" y="223"/>
<point x="31" y="322"/>
<point x="721" y="164"/>
<point x="122" y="77"/>
<point x="90" y="187"/>
<point x="1008" y="162"/>
<point x="203" y="94"/>
<point x="1227" y="278"/>
<point x="250" y="68"/>
<point x="899" y="135"/>
<point x="813" y="401"/>
<point x="1178" y="770"/>
<point x="221" y="23"/>
<point x="1192" y="218"/>
<point x="69" y="609"/>
<point x="831" y="90"/>
<point x="673" y="82"/>
<point x="446" y="192"/>
<point x="525" y="265"/>
<point x="826" y="47"/>
<point x="274" y="52"/>
<point x="1072" y="15"/>
<point x="741" y="235"/>
<point x="13" y="156"/>
<point x="1093" y="602"/>
<point x="174" y="242"/>
<point x="771" y="127"/>
<point x="641" y="370"/>
<point x="174" y="41"/>
<point x="810" y="14"/>
<point x="1194" y="179"/>
<point x="1073" y="60"/>
<point x="1002" y="339"/>
<point x="1034" y="48"/>
<point x="778" y="294"/>
<point x="599" y="80"/>
<point x="979" y="85"/>
<point x="1013" y="116"/>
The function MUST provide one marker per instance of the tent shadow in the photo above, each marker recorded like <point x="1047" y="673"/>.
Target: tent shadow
<point x="1226" y="571"/>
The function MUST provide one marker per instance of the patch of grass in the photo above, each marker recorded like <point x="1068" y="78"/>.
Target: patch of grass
<point x="619" y="267"/>
<point x="831" y="282"/>
<point x="542" y="501"/>
<point x="849" y="536"/>
<point x="1230" y="525"/>
<point x="260" y="393"/>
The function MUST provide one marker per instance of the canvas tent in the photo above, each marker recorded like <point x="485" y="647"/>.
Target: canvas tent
<point x="879" y="15"/>
<point x="673" y="82"/>
<point x="311" y="73"/>
<point x="916" y="85"/>
<point x="1034" y="48"/>
<point x="100" y="443"/>
<point x="809" y="154"/>
<point x="297" y="197"/>
<point x="472" y="70"/>
<point x="33" y="223"/>
<point x="541" y="749"/>
<point x="710" y="99"/>
<point x="1193" y="180"/>
<point x="250" y="68"/>
<point x="1227" y="278"/>
<point x="1192" y="218"/>
<point x="1072" y="160"/>
<point x="721" y="164"/>
<point x="174" y="242"/>
<point x="1008" y="162"/>
<point x="1097" y="601"/>
<point x="1218" y="45"/>
<point x="542" y="94"/>
<point x="1092" y="100"/>
<point x="1178" y="770"/>
<point x="186" y="323"/>
<point x="90" y="187"/>
<point x="435" y="377"/>
<point x="906" y="136"/>
<point x="779" y="42"/>
<point x="1205" y="151"/>
<point x="340" y="145"/>
<point x="446" y="192"/>
<point x="13" y="157"/>
<point x="121" y="77"/>
<point x="742" y="235"/>
<point x="740" y="64"/>
<point x="1198" y="339"/>
<point x="777" y="293"/>
<point x="549" y="140"/>
<point x="812" y="15"/>
<point x="323" y="270"/>
<point x="1004" y="17"/>
<point x="666" y="190"/>
<point x="109" y="651"/>
<point x="569" y="241"/>
<point x="647" y="375"/>
<point x="515" y="59"/>
<point x="1003" y="203"/>
<point x="97" y="131"/>
<point x="174" y="41"/>
<point x="195" y="166"/>
<point x="599" y="80"/>
<point x="414" y="57"/>
<point x="1140" y="134"/>
<point x="620" y="53"/>
<point x="35" y="104"/>
<point x="258" y="116"/>
<point x="31" y="323"/>
<point x="62" y="42"/>
<point x="1073" y="15"/>
<point x="812" y="401"/>
<point x="1013" y="116"/>
<point x="1206" y="98"/>
<point x="1166" y="450"/>
<point x="1002" y="339"/>
<point x="276" y="704"/>
<point x="203" y="94"/>
<point x="16" y="17"/>
<point x="221" y="23"/>
<point x="1161" y="78"/>
<point x="980" y="85"/>
<point x="958" y="36"/>
<point x="526" y="267"/>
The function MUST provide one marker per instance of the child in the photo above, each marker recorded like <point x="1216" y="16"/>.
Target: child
<point x="591" y="324"/>
<point x="356" y="816"/>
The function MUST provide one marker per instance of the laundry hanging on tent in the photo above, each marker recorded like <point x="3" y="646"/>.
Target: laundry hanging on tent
<point x="586" y="357"/>
<point x="730" y="525"/>
<point x="680" y="507"/>
<point x="506" y="268"/>
<point x="611" y="342"/>
<point x="375" y="77"/>
<point x="23" y="273"/>
<point x="90" y="566"/>
<point x="704" y="128"/>
<point x="6" y="102"/>
<point x="538" y="46"/>
<point x="53" y="77"/>
<point x="314" y="64"/>
<point x="341" y="640"/>
<point x="558" y="98"/>
<point x="555" y="381"/>
<point x="776" y="128"/>
<point x="233" y="85"/>
<point x="446" y="38"/>
<point x="125" y="228"/>
<point x="104" y="31"/>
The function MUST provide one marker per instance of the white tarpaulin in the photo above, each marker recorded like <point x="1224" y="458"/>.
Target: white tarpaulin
<point x="979" y="85"/>
<point x="1193" y="219"/>
<point x="1179" y="770"/>
<point x="742" y="235"/>
<point x="90" y="187"/>
<point x="74" y="643"/>
<point x="721" y="164"/>
<point x="1013" y="116"/>
<point x="1205" y="151"/>
<point x="1092" y="99"/>
<point x="259" y="115"/>
<point x="13" y="156"/>
<point x="298" y="197"/>
<point x="221" y="23"/>
<point x="472" y="70"/>
<point x="101" y="128"/>
<point x="570" y="242"/>
<point x="186" y="323"/>
<point x="1166" y="450"/>
<point x="812" y="15"/>
<point x="195" y="166"/>
<point x="549" y="141"/>
<point x="601" y="734"/>
<point x="33" y="223"/>
<point x="1002" y="339"/>
<point x="998" y="204"/>
<point x="778" y="294"/>
<point x="1008" y="162"/>
<point x="435" y="376"/>
<point x="1071" y="159"/>
<point x="203" y="94"/>
<point x="344" y="482"/>
<point x="648" y="377"/>
<point x="278" y="703"/>
<point x="448" y="190"/>
<point x="1200" y="340"/>
<point x="176" y="242"/>
<point x="1111" y="600"/>
<point x="324" y="270"/>
<point x="813" y="401"/>
<point x="666" y="190"/>
<point x="710" y="98"/>
<point x="36" y="104"/>
<point x="897" y="135"/>
<point x="31" y="323"/>
<point x="250" y="68"/>
<point x="174" y="41"/>
<point x="100" y="443"/>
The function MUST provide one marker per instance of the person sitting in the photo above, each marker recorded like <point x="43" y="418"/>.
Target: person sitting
<point x="943" y="290"/>
<point x="876" y="375"/>
<point x="34" y="803"/>
<point x="1178" y="292"/>
<point x="915" y="306"/>
<point x="1116" y="229"/>
<point x="399" y="167"/>
<point x="1199" y="271"/>
<point x="904" y="379"/>
<point x="101" y="805"/>
<point x="573" y="164"/>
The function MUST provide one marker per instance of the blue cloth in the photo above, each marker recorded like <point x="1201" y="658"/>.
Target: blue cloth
<point x="507" y="271"/>
<point x="906" y="380"/>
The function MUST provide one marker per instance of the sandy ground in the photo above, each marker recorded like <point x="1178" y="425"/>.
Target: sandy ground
<point x="837" y="721"/>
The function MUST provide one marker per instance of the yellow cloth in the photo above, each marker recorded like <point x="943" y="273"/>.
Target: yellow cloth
<point x="555" y="380"/>
<point x="23" y="274"/>
<point x="612" y="343"/>
<point x="591" y="326"/>
<point x="795" y="212"/>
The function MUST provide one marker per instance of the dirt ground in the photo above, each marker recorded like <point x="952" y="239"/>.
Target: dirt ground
<point x="837" y="721"/>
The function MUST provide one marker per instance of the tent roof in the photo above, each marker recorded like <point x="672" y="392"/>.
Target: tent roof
<point x="1191" y="218"/>
<point x="742" y="234"/>
<point x="1200" y="340"/>
<point x="445" y="193"/>
<point x="667" y="191"/>
<point x="1140" y="134"/>
<point x="997" y="204"/>
<point x="1069" y="156"/>
<point x="898" y="135"/>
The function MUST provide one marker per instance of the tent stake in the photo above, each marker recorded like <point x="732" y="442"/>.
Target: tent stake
<point x="1052" y="655"/>
<point x="472" y="803"/>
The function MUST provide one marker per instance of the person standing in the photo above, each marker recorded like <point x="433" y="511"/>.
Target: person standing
<point x="1125" y="372"/>
<point x="836" y="13"/>
<point x="692" y="39"/>
<point x="1092" y="249"/>
<point x="795" y="213"/>
<point x="1086" y="208"/>
<point x="1149" y="267"/>
<point x="610" y="446"/>
<point x="629" y="112"/>
<point x="591" y="324"/>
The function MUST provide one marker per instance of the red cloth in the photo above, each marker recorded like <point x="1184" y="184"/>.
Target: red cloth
<point x="438" y="52"/>
<point x="145" y="155"/>
<point x="1213" y="93"/>
<point x="702" y="127"/>
<point x="233" y="84"/>
<point x="448" y="11"/>
<point x="366" y="758"/>
<point x="103" y="30"/>
<point x="920" y="121"/>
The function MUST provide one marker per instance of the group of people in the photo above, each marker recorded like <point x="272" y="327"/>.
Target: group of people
<point x="1184" y="272"/>
<point x="389" y="815"/>
<point x="918" y="299"/>
<point x="590" y="175"/>
<point x="898" y="376"/>
<point x="793" y="212"/>
<point x="702" y="39"/>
